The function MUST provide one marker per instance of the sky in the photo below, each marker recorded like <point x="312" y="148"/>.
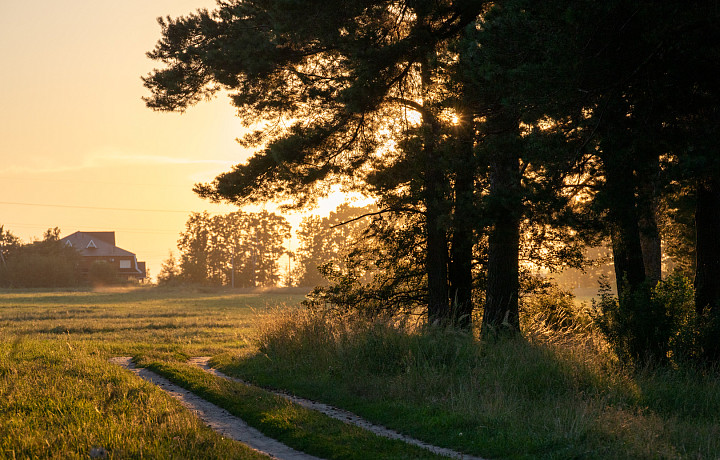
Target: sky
<point x="78" y="148"/>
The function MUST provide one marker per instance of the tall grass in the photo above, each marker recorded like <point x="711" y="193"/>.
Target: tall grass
<point x="553" y="394"/>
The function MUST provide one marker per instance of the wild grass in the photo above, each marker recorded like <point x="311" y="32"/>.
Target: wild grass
<point x="557" y="392"/>
<point x="550" y="394"/>
<point x="61" y="398"/>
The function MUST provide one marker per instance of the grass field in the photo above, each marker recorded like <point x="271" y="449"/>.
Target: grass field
<point x="60" y="398"/>
<point x="533" y="398"/>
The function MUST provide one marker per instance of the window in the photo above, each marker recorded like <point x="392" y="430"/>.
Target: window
<point x="124" y="264"/>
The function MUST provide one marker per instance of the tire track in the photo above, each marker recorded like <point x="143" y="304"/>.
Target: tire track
<point x="216" y="417"/>
<point x="342" y="415"/>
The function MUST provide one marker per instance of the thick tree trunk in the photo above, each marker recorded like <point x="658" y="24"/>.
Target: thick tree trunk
<point x="625" y="228"/>
<point x="437" y="249"/>
<point x="707" y="269"/>
<point x="462" y="237"/>
<point x="501" y="299"/>
<point x="650" y="242"/>
<point x="436" y="262"/>
<point x="707" y="227"/>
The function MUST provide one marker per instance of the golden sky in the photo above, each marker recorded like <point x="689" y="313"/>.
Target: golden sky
<point x="78" y="148"/>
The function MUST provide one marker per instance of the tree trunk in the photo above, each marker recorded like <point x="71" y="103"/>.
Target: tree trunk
<point x="436" y="262"/>
<point x="437" y="248"/>
<point x="650" y="242"/>
<point x="707" y="269"/>
<point x="464" y="168"/>
<point x="625" y="228"/>
<point x="707" y="227"/>
<point x="462" y="237"/>
<point x="501" y="299"/>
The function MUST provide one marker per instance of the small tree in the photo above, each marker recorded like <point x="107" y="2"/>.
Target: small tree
<point x="170" y="271"/>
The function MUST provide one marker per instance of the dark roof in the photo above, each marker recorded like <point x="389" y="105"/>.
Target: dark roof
<point x="108" y="237"/>
<point x="98" y="244"/>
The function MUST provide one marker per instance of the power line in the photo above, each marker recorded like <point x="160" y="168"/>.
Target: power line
<point x="100" y="208"/>
<point x="103" y="182"/>
<point x="115" y="228"/>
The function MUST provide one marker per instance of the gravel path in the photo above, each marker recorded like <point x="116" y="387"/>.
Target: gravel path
<point x="345" y="416"/>
<point x="216" y="417"/>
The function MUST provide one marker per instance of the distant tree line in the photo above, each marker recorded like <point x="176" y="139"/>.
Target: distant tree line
<point x="239" y="248"/>
<point x="245" y="249"/>
<point x="42" y="263"/>
<point x="495" y="136"/>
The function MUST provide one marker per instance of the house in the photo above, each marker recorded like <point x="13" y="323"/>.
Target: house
<point x="100" y="246"/>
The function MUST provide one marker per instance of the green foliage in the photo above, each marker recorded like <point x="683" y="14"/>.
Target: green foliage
<point x="382" y="276"/>
<point x="169" y="272"/>
<point x="652" y="325"/>
<point x="44" y="263"/>
<point x="328" y="240"/>
<point x="239" y="247"/>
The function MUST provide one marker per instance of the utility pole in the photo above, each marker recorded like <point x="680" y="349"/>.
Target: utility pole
<point x="289" y="269"/>
<point x="232" y="275"/>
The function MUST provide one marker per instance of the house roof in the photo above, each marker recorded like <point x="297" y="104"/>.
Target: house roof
<point x="95" y="244"/>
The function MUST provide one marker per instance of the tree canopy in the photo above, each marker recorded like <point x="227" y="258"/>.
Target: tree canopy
<point x="494" y="136"/>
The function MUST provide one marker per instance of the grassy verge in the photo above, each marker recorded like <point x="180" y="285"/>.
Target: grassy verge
<point x="300" y="428"/>
<point x="530" y="398"/>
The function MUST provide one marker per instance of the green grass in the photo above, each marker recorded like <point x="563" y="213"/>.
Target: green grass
<point x="59" y="396"/>
<point x="528" y="398"/>
<point x="547" y="396"/>
<point x="300" y="428"/>
<point x="60" y="399"/>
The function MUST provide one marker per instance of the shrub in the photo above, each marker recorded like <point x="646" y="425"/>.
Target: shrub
<point x="649" y="324"/>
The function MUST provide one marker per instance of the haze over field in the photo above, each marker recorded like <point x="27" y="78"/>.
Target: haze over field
<point x="78" y="147"/>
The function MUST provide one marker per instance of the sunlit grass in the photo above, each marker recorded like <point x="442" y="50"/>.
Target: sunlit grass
<point x="550" y="395"/>
<point x="60" y="397"/>
<point x="298" y="427"/>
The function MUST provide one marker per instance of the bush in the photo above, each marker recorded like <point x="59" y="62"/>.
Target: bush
<point x="554" y="308"/>
<point x="649" y="324"/>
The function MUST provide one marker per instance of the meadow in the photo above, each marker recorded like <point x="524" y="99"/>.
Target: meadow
<point x="549" y="395"/>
